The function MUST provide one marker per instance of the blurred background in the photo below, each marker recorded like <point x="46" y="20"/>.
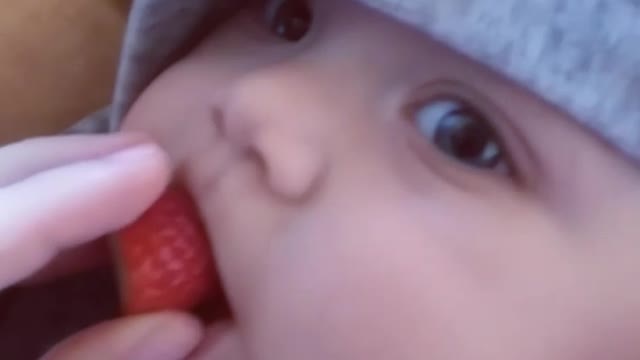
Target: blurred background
<point x="58" y="62"/>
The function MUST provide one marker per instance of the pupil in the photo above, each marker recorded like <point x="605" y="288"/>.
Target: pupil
<point x="469" y="142"/>
<point x="292" y="20"/>
<point x="466" y="138"/>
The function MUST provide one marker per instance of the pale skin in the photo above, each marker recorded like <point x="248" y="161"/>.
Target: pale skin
<point x="344" y="230"/>
<point x="57" y="194"/>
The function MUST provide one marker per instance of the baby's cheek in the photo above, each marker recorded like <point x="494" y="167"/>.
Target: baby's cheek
<point x="347" y="290"/>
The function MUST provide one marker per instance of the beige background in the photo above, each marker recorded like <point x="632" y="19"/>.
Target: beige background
<point x="57" y="62"/>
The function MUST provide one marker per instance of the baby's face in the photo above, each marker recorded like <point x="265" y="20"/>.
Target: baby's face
<point x="373" y="195"/>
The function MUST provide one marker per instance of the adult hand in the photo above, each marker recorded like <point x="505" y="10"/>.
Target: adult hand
<point x="57" y="193"/>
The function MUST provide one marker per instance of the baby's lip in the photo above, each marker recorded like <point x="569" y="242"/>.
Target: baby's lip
<point x="203" y="175"/>
<point x="215" y="308"/>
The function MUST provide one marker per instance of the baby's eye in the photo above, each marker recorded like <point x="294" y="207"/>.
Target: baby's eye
<point x="462" y="133"/>
<point x="289" y="19"/>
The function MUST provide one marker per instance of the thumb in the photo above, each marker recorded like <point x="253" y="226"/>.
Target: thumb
<point x="160" y="336"/>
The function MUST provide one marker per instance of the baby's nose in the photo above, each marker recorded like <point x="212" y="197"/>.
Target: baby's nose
<point x="266" y="118"/>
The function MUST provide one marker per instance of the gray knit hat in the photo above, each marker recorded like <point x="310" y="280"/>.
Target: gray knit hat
<point x="580" y="55"/>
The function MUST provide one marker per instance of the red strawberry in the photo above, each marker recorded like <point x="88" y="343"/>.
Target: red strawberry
<point x="164" y="258"/>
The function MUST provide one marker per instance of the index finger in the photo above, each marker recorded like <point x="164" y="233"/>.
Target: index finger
<point x="67" y="206"/>
<point x="27" y="157"/>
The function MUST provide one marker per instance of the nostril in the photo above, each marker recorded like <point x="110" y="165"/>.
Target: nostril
<point x="257" y="122"/>
<point x="293" y="169"/>
<point x="233" y="128"/>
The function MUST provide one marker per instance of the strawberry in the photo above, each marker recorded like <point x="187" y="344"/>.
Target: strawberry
<point x="164" y="258"/>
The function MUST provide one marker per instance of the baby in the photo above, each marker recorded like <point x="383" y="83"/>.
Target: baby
<point x="381" y="185"/>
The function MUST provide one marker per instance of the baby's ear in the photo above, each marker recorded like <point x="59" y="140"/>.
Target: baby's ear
<point x="58" y="62"/>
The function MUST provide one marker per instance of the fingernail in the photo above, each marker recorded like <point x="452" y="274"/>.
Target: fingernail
<point x="166" y="340"/>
